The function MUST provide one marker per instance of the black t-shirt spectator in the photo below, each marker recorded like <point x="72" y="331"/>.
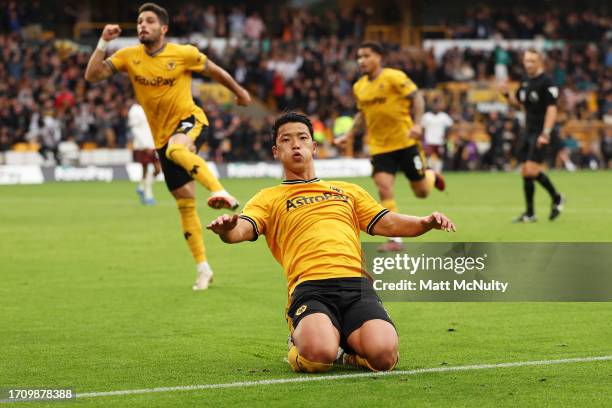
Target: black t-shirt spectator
<point x="495" y="129"/>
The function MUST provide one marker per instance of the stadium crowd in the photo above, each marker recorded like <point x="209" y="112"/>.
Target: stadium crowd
<point x="521" y="23"/>
<point x="294" y="60"/>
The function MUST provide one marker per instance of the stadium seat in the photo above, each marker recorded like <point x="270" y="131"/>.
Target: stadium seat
<point x="89" y="146"/>
<point x="20" y="147"/>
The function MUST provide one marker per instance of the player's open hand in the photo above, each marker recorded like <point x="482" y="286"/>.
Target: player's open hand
<point x="543" y="140"/>
<point x="416" y="132"/>
<point x="223" y="223"/>
<point x="342" y="141"/>
<point x="437" y="220"/>
<point x="110" y="32"/>
<point x="243" y="98"/>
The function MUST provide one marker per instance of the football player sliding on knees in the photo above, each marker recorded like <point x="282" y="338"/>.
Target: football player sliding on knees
<point x="312" y="228"/>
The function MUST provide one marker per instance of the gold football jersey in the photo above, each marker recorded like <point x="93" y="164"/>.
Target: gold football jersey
<point x="312" y="227"/>
<point x="385" y="106"/>
<point x="162" y="84"/>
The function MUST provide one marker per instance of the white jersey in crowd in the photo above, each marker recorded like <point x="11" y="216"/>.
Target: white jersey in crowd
<point x="434" y="126"/>
<point x="141" y="132"/>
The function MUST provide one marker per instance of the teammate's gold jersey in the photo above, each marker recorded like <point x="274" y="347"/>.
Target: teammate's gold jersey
<point x="162" y="84"/>
<point x="312" y="227"/>
<point x="386" y="109"/>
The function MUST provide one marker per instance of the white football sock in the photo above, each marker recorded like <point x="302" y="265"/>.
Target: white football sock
<point x="148" y="185"/>
<point x="203" y="266"/>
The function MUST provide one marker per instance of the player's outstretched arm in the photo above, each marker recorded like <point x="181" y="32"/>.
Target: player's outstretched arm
<point x="224" y="78"/>
<point x="232" y="229"/>
<point x="400" y="225"/>
<point x="97" y="70"/>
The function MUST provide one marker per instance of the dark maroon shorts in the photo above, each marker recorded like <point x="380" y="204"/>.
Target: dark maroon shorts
<point x="145" y="156"/>
<point x="438" y="150"/>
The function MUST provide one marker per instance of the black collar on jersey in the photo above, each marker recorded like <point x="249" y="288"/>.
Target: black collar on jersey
<point x="314" y="180"/>
<point x="535" y="77"/>
<point x="156" y="52"/>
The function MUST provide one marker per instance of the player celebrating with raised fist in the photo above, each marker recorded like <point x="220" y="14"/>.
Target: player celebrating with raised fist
<point x="161" y="73"/>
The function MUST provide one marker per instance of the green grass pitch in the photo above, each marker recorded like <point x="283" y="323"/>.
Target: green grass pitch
<point x="95" y="294"/>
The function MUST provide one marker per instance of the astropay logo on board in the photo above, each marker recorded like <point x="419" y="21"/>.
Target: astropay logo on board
<point x="91" y="173"/>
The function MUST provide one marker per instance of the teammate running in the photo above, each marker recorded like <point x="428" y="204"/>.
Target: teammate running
<point x="384" y="98"/>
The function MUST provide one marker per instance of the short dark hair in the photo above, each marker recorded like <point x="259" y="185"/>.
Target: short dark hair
<point x="540" y="54"/>
<point x="291" y="117"/>
<point x="159" y="11"/>
<point x="374" y="46"/>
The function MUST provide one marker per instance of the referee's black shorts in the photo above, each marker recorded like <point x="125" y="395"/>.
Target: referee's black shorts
<point x="410" y="160"/>
<point x="174" y="175"/>
<point x="528" y="149"/>
<point x="348" y="302"/>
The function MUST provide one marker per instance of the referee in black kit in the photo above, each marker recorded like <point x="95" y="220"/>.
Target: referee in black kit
<point x="538" y="95"/>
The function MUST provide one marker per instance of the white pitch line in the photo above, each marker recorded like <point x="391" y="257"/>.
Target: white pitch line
<point x="302" y="379"/>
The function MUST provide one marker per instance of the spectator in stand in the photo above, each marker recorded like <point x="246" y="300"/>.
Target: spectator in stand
<point x="494" y="157"/>
<point x="209" y="21"/>
<point x="236" y="21"/>
<point x="68" y="152"/>
<point x="570" y="149"/>
<point x="45" y="130"/>
<point x="605" y="147"/>
<point x="254" y="27"/>
<point x="5" y="140"/>
<point x="469" y="154"/>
